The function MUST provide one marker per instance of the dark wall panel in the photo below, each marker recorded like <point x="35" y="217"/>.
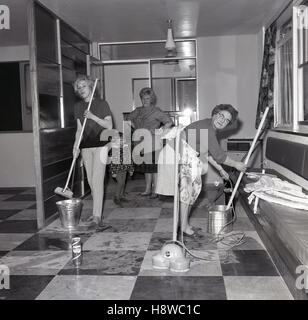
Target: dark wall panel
<point x="56" y="144"/>
<point x="288" y="154"/>
<point x="46" y="44"/>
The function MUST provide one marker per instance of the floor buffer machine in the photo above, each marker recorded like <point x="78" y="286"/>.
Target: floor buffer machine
<point x="172" y="255"/>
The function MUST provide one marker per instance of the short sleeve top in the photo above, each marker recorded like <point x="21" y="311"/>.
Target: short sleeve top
<point x="92" y="132"/>
<point x="209" y="143"/>
<point x="149" y="118"/>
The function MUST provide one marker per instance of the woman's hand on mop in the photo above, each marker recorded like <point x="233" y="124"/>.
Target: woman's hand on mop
<point x="76" y="152"/>
<point x="224" y="174"/>
<point x="89" y="115"/>
<point x="240" y="166"/>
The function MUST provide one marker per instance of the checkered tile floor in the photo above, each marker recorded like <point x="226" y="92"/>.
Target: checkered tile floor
<point x="117" y="262"/>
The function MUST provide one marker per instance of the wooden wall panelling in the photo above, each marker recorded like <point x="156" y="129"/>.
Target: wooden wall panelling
<point x="58" y="54"/>
<point x="36" y="120"/>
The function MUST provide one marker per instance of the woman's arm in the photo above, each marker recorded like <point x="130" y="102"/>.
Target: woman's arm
<point x="167" y="125"/>
<point x="104" y="123"/>
<point x="218" y="167"/>
<point x="240" y="166"/>
<point x="160" y="131"/>
<point x="77" y="135"/>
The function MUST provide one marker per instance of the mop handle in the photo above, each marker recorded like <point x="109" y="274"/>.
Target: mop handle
<point x="80" y="136"/>
<point x="255" y="208"/>
<point x="176" y="187"/>
<point x="248" y="156"/>
<point x="85" y="119"/>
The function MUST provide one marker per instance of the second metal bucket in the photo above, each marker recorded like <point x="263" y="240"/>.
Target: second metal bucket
<point x="70" y="213"/>
<point x="220" y="220"/>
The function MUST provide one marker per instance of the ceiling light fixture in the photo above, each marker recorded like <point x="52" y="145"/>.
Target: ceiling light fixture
<point x="170" y="44"/>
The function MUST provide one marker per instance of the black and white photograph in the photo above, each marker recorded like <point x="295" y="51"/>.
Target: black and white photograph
<point x="154" y="153"/>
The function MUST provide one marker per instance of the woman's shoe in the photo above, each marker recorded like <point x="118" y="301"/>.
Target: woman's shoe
<point x="103" y="226"/>
<point x="196" y="229"/>
<point x="154" y="196"/>
<point x="145" y="194"/>
<point x="117" y="202"/>
<point x="193" y="235"/>
<point x="92" y="222"/>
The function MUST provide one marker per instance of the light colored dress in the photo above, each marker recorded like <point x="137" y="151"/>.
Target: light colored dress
<point x="165" y="170"/>
<point x="190" y="171"/>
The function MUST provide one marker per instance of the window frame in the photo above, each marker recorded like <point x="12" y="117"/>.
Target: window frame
<point x="300" y="19"/>
<point x="277" y="82"/>
<point x="297" y="125"/>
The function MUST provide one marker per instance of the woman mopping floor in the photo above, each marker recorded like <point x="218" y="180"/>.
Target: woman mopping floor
<point x="94" y="151"/>
<point x="88" y="138"/>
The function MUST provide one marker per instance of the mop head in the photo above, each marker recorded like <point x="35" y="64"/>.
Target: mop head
<point x="171" y="257"/>
<point x="66" y="194"/>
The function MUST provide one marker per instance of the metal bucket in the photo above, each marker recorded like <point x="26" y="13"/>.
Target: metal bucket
<point x="70" y="212"/>
<point x="219" y="217"/>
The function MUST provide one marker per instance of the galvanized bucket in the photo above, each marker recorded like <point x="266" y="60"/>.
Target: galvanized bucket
<point x="70" y="212"/>
<point x="220" y="220"/>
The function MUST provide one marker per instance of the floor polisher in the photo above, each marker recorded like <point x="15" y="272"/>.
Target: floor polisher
<point x="66" y="192"/>
<point x="172" y="254"/>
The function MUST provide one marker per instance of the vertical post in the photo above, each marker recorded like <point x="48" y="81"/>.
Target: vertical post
<point x="62" y="119"/>
<point x="36" y="116"/>
<point x="176" y="186"/>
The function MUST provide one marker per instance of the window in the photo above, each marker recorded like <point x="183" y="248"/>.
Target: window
<point x="302" y="57"/>
<point x="16" y="110"/>
<point x="291" y="88"/>
<point x="284" y="116"/>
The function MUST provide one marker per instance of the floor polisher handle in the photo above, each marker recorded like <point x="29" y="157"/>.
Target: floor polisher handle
<point x="176" y="186"/>
<point x="80" y="136"/>
<point x="248" y="156"/>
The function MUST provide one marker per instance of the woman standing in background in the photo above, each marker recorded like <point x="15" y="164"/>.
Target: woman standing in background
<point x="151" y="118"/>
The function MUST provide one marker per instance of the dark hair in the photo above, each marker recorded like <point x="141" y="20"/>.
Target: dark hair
<point x="226" y="107"/>
<point x="148" y="91"/>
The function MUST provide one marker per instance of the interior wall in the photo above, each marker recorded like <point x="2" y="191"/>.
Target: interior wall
<point x="14" y="53"/>
<point x="17" y="160"/>
<point x="228" y="72"/>
<point x="17" y="152"/>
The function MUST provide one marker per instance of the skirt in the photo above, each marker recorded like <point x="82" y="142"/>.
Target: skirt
<point x="190" y="172"/>
<point x="190" y="182"/>
<point x="121" y="162"/>
<point x="149" y="165"/>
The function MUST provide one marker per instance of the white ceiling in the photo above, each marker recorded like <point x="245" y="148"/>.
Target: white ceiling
<point x="133" y="20"/>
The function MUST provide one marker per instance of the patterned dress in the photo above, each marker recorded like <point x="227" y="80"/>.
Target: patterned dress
<point x="120" y="160"/>
<point x="190" y="182"/>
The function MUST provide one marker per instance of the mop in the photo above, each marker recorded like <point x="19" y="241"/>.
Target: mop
<point x="248" y="156"/>
<point x="65" y="192"/>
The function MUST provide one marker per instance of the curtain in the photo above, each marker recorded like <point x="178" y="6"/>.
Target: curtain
<point x="286" y="88"/>
<point x="266" y="92"/>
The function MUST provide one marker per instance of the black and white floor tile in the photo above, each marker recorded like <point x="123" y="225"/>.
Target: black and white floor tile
<point x="117" y="262"/>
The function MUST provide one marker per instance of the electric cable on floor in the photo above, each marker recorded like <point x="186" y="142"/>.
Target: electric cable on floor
<point x="230" y="244"/>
